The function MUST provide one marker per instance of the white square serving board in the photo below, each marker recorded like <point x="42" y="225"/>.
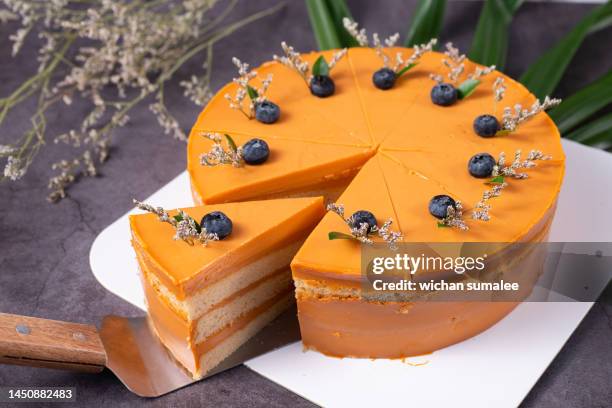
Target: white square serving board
<point x="494" y="369"/>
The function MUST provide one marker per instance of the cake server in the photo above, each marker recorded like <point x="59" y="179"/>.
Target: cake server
<point x="126" y="346"/>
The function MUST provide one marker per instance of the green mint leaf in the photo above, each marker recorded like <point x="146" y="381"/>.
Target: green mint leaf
<point x="252" y="92"/>
<point x="231" y="143"/>
<point x="496" y="180"/>
<point x="178" y="217"/>
<point x="443" y="225"/>
<point x="339" y="235"/>
<point x="405" y="69"/>
<point x="320" y="67"/>
<point x="467" y="87"/>
<point x="502" y="132"/>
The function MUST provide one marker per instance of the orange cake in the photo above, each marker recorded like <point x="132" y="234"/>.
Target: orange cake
<point x="388" y="152"/>
<point x="205" y="301"/>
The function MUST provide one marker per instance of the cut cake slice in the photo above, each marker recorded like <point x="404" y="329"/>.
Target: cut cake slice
<point x="206" y="301"/>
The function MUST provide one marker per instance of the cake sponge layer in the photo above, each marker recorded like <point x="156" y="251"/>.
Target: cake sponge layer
<point x="234" y="336"/>
<point x="204" y="300"/>
<point x="227" y="312"/>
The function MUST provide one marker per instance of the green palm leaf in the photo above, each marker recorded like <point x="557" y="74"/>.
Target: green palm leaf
<point x="490" y="43"/>
<point x="339" y="10"/>
<point x="595" y="132"/>
<point x="323" y="25"/>
<point x="543" y="76"/>
<point x="426" y="22"/>
<point x="584" y="103"/>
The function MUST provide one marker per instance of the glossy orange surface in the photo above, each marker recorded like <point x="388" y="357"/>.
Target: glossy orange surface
<point x="408" y="150"/>
<point x="258" y="227"/>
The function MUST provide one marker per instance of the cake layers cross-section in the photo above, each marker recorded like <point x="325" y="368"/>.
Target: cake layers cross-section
<point x="388" y="152"/>
<point x="205" y="301"/>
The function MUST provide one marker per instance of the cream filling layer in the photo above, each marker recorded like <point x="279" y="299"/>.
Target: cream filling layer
<point x="225" y="314"/>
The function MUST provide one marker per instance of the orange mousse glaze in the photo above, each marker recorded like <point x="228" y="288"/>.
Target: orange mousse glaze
<point x="315" y="142"/>
<point x="259" y="227"/>
<point x="406" y="150"/>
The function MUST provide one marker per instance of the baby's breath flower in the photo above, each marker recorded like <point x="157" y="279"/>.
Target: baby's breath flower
<point x="197" y="89"/>
<point x="293" y="60"/>
<point x="186" y="228"/>
<point x="14" y="169"/>
<point x="362" y="231"/>
<point x="256" y="95"/>
<point x="114" y="54"/>
<point x="455" y="62"/>
<point x="499" y="89"/>
<point x="454" y="217"/>
<point x="219" y="155"/>
<point x="499" y="182"/>
<point x="513" y="118"/>
<point x="400" y="63"/>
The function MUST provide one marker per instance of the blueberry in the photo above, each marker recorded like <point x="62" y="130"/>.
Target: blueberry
<point x="363" y="216"/>
<point x="267" y="112"/>
<point x="217" y="223"/>
<point x="322" y="86"/>
<point x="444" y="94"/>
<point x="255" y="151"/>
<point x="486" y="125"/>
<point x="481" y="165"/>
<point x="438" y="205"/>
<point x="384" y="78"/>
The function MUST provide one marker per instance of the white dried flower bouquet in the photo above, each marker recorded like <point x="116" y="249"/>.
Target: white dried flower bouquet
<point x="114" y="55"/>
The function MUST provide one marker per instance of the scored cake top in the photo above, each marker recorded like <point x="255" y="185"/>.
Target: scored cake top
<point x="410" y="150"/>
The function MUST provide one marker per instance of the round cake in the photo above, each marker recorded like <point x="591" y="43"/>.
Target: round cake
<point x="388" y="152"/>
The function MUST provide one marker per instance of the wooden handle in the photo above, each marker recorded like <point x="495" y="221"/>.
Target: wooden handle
<point x="50" y="343"/>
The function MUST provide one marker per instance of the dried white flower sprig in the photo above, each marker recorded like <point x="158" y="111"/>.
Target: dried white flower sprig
<point x="186" y="228"/>
<point x="397" y="64"/>
<point x="111" y="56"/>
<point x="454" y="218"/>
<point x="218" y="155"/>
<point x="499" y="89"/>
<point x="256" y="95"/>
<point x="361" y="36"/>
<point x="362" y="232"/>
<point x="513" y="118"/>
<point x="455" y="62"/>
<point x="389" y="236"/>
<point x="502" y="171"/>
<point x="294" y="60"/>
<point x="481" y="209"/>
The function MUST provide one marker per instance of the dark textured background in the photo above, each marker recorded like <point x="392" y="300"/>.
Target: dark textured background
<point x="44" y="269"/>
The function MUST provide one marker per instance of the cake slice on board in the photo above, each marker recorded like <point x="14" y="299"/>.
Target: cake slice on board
<point x="205" y="301"/>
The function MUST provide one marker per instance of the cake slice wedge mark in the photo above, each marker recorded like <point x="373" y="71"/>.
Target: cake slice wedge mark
<point x="335" y="119"/>
<point x="514" y="214"/>
<point x="396" y="220"/>
<point x="367" y="191"/>
<point x="293" y="166"/>
<point x="343" y="108"/>
<point x="361" y="99"/>
<point x="197" y="132"/>
<point x="383" y="108"/>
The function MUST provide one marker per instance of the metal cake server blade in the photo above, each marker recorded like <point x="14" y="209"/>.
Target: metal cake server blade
<point x="127" y="346"/>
